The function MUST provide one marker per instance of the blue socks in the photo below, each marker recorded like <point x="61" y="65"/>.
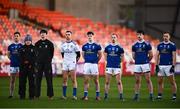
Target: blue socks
<point x="64" y="90"/>
<point x="97" y="94"/>
<point x="105" y="95"/>
<point x="151" y="95"/>
<point x="85" y="93"/>
<point x="74" y="91"/>
<point x="121" y="95"/>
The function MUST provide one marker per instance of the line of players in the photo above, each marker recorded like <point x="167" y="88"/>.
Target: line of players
<point x="32" y="61"/>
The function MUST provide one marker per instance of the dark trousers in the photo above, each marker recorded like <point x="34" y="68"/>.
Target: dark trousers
<point x="26" y="72"/>
<point x="45" y="68"/>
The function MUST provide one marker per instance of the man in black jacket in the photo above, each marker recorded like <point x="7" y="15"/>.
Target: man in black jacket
<point x="45" y="52"/>
<point x="27" y="60"/>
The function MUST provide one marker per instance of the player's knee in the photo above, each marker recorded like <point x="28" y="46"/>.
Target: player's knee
<point x="119" y="83"/>
<point x="148" y="81"/>
<point x="12" y="81"/>
<point x="85" y="82"/>
<point x="74" y="81"/>
<point x="96" y="82"/>
<point x="137" y="81"/>
<point x="107" y="83"/>
<point x="65" y="80"/>
<point x="160" y="82"/>
<point x="173" y="83"/>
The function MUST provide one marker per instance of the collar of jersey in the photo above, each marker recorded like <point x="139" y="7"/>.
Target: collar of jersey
<point x="141" y="41"/>
<point x="17" y="43"/>
<point x="69" y="41"/>
<point x="166" y="42"/>
<point x="113" y="44"/>
<point x="90" y="42"/>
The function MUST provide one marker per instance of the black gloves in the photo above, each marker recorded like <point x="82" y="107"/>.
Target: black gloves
<point x="172" y="70"/>
<point x="157" y="69"/>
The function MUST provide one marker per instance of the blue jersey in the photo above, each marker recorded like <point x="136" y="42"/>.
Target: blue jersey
<point x="14" y="54"/>
<point x="141" y="50"/>
<point x="165" y="52"/>
<point x="113" y="55"/>
<point x="91" y="52"/>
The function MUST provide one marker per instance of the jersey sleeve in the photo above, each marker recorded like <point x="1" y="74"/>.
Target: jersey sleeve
<point x="174" y="47"/>
<point x="9" y="48"/>
<point x="77" y="48"/>
<point x="122" y="50"/>
<point x="106" y="49"/>
<point x="61" y="48"/>
<point x="83" y="48"/>
<point x="158" y="48"/>
<point x="99" y="47"/>
<point x="149" y="47"/>
<point x="133" y="48"/>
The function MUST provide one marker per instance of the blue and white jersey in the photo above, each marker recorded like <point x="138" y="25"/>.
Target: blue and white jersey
<point x="141" y="50"/>
<point x="166" y="53"/>
<point x="14" y="54"/>
<point x="114" y="52"/>
<point x="91" y="52"/>
<point x="69" y="49"/>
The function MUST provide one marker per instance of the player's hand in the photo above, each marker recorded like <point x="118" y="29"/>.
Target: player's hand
<point x="172" y="70"/>
<point x="157" y="69"/>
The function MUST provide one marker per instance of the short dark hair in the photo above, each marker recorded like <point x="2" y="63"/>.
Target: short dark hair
<point x="17" y="33"/>
<point x="115" y="34"/>
<point x="69" y="31"/>
<point x="43" y="31"/>
<point x="166" y="32"/>
<point x="140" y="32"/>
<point x="90" y="32"/>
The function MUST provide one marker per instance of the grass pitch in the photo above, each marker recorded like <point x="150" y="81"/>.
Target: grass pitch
<point x="112" y="102"/>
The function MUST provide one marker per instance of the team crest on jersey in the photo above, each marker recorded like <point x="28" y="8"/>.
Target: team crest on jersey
<point x="31" y="50"/>
<point x="46" y="46"/>
<point x="85" y="46"/>
<point x="143" y="46"/>
<point x="116" y="49"/>
<point x="93" y="47"/>
<point x="164" y="46"/>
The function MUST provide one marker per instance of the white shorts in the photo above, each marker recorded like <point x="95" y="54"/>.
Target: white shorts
<point x="164" y="70"/>
<point x="91" y="69"/>
<point x="14" y="70"/>
<point x="141" y="68"/>
<point x="113" y="71"/>
<point x="68" y="66"/>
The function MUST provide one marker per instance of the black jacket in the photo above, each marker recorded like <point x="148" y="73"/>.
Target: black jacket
<point x="45" y="51"/>
<point x="27" y="55"/>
